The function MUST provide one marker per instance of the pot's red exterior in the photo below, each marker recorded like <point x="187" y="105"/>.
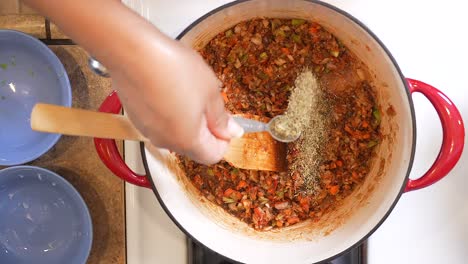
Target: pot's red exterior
<point x="109" y="153"/>
<point x="452" y="142"/>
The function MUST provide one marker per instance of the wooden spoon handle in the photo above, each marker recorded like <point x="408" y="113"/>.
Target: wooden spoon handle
<point x="258" y="151"/>
<point x="78" y="122"/>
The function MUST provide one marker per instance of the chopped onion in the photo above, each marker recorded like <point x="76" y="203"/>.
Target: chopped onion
<point x="282" y="205"/>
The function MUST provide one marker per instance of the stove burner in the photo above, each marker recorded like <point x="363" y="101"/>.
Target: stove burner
<point x="199" y="254"/>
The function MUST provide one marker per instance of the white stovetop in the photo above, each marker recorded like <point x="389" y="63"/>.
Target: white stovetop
<point x="429" y="41"/>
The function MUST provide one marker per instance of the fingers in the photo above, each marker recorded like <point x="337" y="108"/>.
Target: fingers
<point x="207" y="148"/>
<point x="220" y="123"/>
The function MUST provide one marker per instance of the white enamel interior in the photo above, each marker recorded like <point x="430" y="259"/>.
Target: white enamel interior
<point x="360" y="213"/>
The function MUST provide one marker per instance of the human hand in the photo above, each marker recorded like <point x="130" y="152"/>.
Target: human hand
<point x="177" y="104"/>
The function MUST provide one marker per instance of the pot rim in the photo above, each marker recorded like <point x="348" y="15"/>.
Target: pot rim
<point x="413" y="124"/>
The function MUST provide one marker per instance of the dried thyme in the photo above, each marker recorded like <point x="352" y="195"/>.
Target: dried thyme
<point x="297" y="116"/>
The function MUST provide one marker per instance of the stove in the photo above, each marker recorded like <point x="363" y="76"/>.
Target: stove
<point x="426" y="226"/>
<point x="198" y="254"/>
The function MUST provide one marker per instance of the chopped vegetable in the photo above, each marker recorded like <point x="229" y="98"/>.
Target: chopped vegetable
<point x="313" y="30"/>
<point x="293" y="220"/>
<point x="377" y="116"/>
<point x="228" y="33"/>
<point x="275" y="23"/>
<point x="286" y="51"/>
<point x="244" y="57"/>
<point x="280" y="33"/>
<point x="242" y="184"/>
<point x="372" y="143"/>
<point x="297" y="22"/>
<point x="210" y="172"/>
<point x="228" y="200"/>
<point x="335" y="53"/>
<point x="263" y="200"/>
<point x="263" y="75"/>
<point x="354" y="175"/>
<point x="280" y="194"/>
<point x="263" y="56"/>
<point x="296" y="38"/>
<point x="334" y="189"/>
<point x="256" y="40"/>
<point x="237" y="64"/>
<point x="228" y="192"/>
<point x="282" y="205"/>
<point x="280" y="62"/>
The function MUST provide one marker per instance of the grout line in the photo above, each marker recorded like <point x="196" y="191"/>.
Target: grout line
<point x="47" y="28"/>
<point x="53" y="42"/>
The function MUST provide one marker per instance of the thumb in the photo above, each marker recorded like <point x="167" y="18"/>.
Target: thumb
<point x="220" y="123"/>
<point x="206" y="148"/>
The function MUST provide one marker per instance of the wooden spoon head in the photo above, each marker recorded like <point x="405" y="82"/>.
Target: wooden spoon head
<point x="257" y="151"/>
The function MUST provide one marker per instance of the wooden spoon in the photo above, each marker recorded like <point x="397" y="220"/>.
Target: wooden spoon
<point x="254" y="151"/>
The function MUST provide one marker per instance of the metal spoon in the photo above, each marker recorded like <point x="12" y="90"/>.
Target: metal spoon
<point x="251" y="126"/>
<point x="97" y="67"/>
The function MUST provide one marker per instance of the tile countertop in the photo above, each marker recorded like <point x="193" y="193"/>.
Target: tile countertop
<point x="75" y="158"/>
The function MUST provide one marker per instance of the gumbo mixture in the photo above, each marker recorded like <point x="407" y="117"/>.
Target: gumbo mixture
<point x="258" y="62"/>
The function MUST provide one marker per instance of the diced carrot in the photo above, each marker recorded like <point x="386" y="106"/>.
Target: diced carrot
<point x="269" y="71"/>
<point x="241" y="184"/>
<point x="252" y="59"/>
<point x="225" y="96"/>
<point x="228" y="192"/>
<point x="365" y="136"/>
<point x="347" y="129"/>
<point x="313" y="30"/>
<point x="334" y="189"/>
<point x="279" y="223"/>
<point x="365" y="124"/>
<point x="285" y="51"/>
<point x="236" y="195"/>
<point x="198" y="180"/>
<point x="304" y="202"/>
<point x="355" y="175"/>
<point x="253" y="193"/>
<point x="339" y="163"/>
<point x="258" y="212"/>
<point x="273" y="185"/>
<point x="293" y="219"/>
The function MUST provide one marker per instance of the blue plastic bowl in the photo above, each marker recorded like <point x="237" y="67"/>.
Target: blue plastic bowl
<point x="29" y="73"/>
<point x="43" y="219"/>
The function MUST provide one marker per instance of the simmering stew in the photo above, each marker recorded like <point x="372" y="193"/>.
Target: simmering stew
<point x="258" y="61"/>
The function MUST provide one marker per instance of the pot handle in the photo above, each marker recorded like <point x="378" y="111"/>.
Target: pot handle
<point x="453" y="135"/>
<point x="109" y="153"/>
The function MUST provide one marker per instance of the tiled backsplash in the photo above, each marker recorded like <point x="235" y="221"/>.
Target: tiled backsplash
<point x="8" y="7"/>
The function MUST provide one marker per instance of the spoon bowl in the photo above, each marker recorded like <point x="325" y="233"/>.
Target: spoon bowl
<point x="254" y="126"/>
<point x="278" y="137"/>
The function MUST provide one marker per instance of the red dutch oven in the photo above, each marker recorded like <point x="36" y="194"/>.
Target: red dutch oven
<point x="363" y="211"/>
